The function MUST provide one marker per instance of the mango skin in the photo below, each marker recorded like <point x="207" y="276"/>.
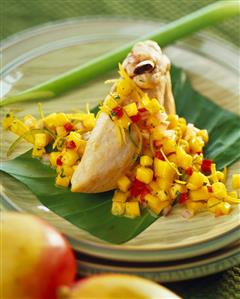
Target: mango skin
<point x="35" y="259"/>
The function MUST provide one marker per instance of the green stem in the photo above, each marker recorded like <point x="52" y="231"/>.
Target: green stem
<point x="169" y="33"/>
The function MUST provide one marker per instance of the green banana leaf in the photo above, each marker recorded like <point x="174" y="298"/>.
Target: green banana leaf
<point x="92" y="212"/>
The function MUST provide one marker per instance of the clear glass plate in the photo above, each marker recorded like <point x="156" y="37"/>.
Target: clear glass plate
<point x="39" y="54"/>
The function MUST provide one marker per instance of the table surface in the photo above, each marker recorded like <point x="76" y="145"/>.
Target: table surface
<point x="18" y="15"/>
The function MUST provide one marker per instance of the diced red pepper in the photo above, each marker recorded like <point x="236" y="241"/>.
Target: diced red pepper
<point x="189" y="171"/>
<point x="159" y="155"/>
<point x="206" y="166"/>
<point x="68" y="127"/>
<point x="59" y="161"/>
<point x="135" y="118"/>
<point x="210" y="189"/>
<point x="183" y="198"/>
<point x="117" y="111"/>
<point x="137" y="188"/>
<point x="144" y="193"/>
<point x="71" y="144"/>
<point x="157" y="143"/>
<point x="142" y="109"/>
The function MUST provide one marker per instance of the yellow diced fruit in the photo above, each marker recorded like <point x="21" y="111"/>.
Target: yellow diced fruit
<point x="110" y="102"/>
<point x="89" y="121"/>
<point x="70" y="157"/>
<point x="81" y="146"/>
<point x="184" y="145"/>
<point x="146" y="160"/>
<point x="220" y="176"/>
<point x="212" y="203"/>
<point x="176" y="189"/>
<point x="236" y="181"/>
<point x="30" y="121"/>
<point x="152" y="121"/>
<point x="120" y="196"/>
<point x="144" y="175"/>
<point x="183" y="159"/>
<point x="200" y="194"/>
<point x="204" y="135"/>
<point x="7" y="121"/>
<point x="53" y="158"/>
<point x="154" y="186"/>
<point x="196" y="180"/>
<point x="173" y="158"/>
<point x="196" y="144"/>
<point x="61" y="131"/>
<point x="123" y="183"/>
<point x="123" y="88"/>
<point x="163" y="183"/>
<point x="182" y="124"/>
<point x="173" y="119"/>
<point x="155" y="203"/>
<point x="118" y="208"/>
<point x="63" y="181"/>
<point x="131" y="109"/>
<point x="75" y="137"/>
<point x="223" y="208"/>
<point x="163" y="169"/>
<point x="38" y="152"/>
<point x="56" y="120"/>
<point x="162" y="195"/>
<point x="169" y="146"/>
<point x="219" y="190"/>
<point x="232" y="198"/>
<point x="153" y="106"/>
<point x="132" y="209"/>
<point x="65" y="170"/>
<point x="157" y="134"/>
<point x="195" y="206"/>
<point x="41" y="140"/>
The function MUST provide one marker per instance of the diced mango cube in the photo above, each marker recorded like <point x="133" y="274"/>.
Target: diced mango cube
<point x="157" y="134"/>
<point x="196" y="180"/>
<point x="173" y="158"/>
<point x="56" y="120"/>
<point x="220" y="176"/>
<point x="81" y="146"/>
<point x="118" y="208"/>
<point x="164" y="184"/>
<point x="169" y="146"/>
<point x="144" y="175"/>
<point x="123" y="183"/>
<point x="146" y="160"/>
<point x="162" y="195"/>
<point x="212" y="203"/>
<point x="184" y="160"/>
<point x="120" y="196"/>
<point x="61" y="131"/>
<point x="63" y="181"/>
<point x="53" y="158"/>
<point x="38" y="152"/>
<point x="89" y="121"/>
<point x="163" y="169"/>
<point x="196" y="144"/>
<point x="176" y="189"/>
<point x="110" y="102"/>
<point x="203" y="134"/>
<point x="41" y="140"/>
<point x="155" y="203"/>
<point x="195" y="206"/>
<point x="132" y="209"/>
<point x="75" y="137"/>
<point x="131" y="109"/>
<point x="236" y="181"/>
<point x="173" y="119"/>
<point x="70" y="157"/>
<point x="123" y="87"/>
<point x="65" y="170"/>
<point x="200" y="194"/>
<point x="219" y="190"/>
<point x="154" y="186"/>
<point x="153" y="106"/>
<point x="223" y="208"/>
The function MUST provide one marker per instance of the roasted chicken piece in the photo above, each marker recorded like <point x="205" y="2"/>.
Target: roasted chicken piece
<point x="104" y="161"/>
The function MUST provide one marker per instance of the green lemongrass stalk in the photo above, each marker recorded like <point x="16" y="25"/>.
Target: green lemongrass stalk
<point x="169" y="33"/>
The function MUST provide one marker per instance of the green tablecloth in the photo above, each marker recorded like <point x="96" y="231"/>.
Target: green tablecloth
<point x="17" y="15"/>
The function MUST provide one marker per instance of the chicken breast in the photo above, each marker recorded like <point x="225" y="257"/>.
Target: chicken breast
<point x="104" y="161"/>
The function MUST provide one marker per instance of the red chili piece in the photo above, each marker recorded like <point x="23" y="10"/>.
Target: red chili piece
<point x="142" y="109"/>
<point x="137" y="188"/>
<point x="210" y="189"/>
<point x="144" y="193"/>
<point x="135" y="118"/>
<point x="117" y="111"/>
<point x="206" y="165"/>
<point x="71" y="144"/>
<point x="59" y="161"/>
<point x="183" y="198"/>
<point x="68" y="127"/>
<point x="189" y="171"/>
<point x="159" y="156"/>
